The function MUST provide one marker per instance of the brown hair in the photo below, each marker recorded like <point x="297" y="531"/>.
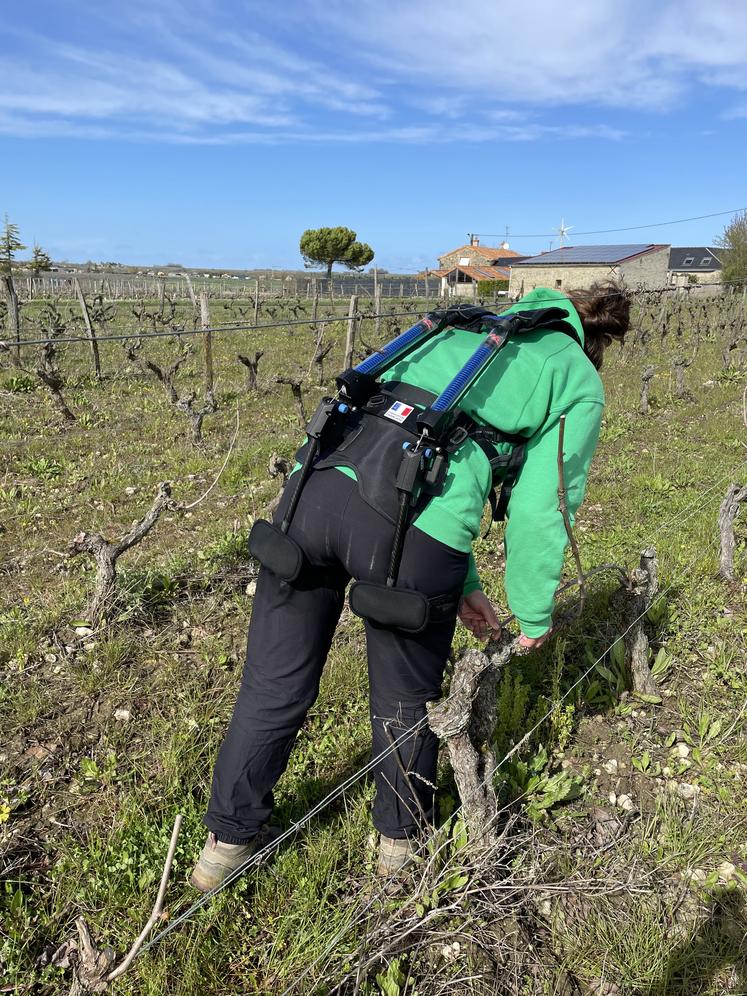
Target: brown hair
<point x="604" y="310"/>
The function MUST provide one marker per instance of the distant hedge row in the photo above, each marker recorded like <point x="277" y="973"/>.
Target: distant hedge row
<point x="486" y="287"/>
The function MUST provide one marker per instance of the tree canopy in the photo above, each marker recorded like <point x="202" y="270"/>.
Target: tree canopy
<point x="733" y="255"/>
<point x="327" y="246"/>
<point x="40" y="260"/>
<point x="10" y="244"/>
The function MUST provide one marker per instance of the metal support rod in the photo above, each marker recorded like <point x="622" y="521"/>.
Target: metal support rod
<point x="398" y="541"/>
<point x="302" y="474"/>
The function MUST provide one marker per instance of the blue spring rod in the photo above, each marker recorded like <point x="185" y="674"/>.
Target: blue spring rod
<point x="484" y="353"/>
<point x="387" y="355"/>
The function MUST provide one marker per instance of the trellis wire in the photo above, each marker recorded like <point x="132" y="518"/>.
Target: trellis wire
<point x="250" y="326"/>
<point x="340" y="790"/>
<point x="517" y="746"/>
<point x="263" y="852"/>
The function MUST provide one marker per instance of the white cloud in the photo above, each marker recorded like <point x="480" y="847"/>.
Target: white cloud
<point x="193" y="71"/>
<point x="600" y="52"/>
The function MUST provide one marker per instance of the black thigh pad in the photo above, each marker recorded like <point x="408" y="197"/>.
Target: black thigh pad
<point x="399" y="608"/>
<point x="275" y="550"/>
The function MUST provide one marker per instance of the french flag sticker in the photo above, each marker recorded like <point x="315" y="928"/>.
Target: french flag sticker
<point x="399" y="411"/>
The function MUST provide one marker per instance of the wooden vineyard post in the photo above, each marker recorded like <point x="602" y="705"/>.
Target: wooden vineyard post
<point x="350" y="341"/>
<point x="377" y="310"/>
<point x="207" y="339"/>
<point x="14" y="317"/>
<point x="192" y="298"/>
<point x="256" y="301"/>
<point x="89" y="328"/>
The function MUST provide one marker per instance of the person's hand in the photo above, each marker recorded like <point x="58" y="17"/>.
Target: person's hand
<point x="478" y="615"/>
<point x="532" y="642"/>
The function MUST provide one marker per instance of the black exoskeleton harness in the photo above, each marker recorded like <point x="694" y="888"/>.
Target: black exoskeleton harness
<point x="398" y="439"/>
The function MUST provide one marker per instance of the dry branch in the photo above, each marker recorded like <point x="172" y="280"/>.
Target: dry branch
<point x="727" y="514"/>
<point x="92" y="971"/>
<point x="46" y="368"/>
<point x="679" y="365"/>
<point x="106" y="554"/>
<point x="278" y="467"/>
<point x="186" y="508"/>
<point x="633" y="601"/>
<point x="646" y="376"/>
<point x="166" y="375"/>
<point x="294" y="383"/>
<point x="251" y="364"/>
<point x="320" y="353"/>
<point x="466" y="720"/>
<point x="157" y="908"/>
<point x="195" y="413"/>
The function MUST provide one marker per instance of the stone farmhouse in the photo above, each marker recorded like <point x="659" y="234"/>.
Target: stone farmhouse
<point x="471" y="264"/>
<point x="693" y="265"/>
<point x="636" y="264"/>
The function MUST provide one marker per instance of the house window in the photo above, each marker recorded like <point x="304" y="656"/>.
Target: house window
<point x="705" y="261"/>
<point x="688" y="261"/>
<point x="558" y="283"/>
<point x="464" y="260"/>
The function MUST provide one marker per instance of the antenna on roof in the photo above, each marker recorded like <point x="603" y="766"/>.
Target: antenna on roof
<point x="563" y="230"/>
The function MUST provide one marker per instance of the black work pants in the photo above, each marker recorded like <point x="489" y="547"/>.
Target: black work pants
<point x="290" y="633"/>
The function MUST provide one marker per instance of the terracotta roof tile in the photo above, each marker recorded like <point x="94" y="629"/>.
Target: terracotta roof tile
<point x="487" y="252"/>
<point x="481" y="272"/>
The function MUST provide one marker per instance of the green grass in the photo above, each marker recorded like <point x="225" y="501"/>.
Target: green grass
<point x="89" y="799"/>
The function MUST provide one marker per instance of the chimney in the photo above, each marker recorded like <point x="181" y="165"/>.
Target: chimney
<point x="474" y="240"/>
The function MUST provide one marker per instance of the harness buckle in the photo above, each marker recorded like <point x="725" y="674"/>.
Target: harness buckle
<point x="456" y="438"/>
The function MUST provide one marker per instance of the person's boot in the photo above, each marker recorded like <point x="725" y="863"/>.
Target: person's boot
<point x="394" y="855"/>
<point x="217" y="860"/>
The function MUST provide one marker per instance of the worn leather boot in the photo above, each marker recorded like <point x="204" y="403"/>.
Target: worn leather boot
<point x="394" y="855"/>
<point x="217" y="860"/>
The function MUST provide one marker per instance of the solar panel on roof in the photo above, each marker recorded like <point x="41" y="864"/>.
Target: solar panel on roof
<point x="587" y="254"/>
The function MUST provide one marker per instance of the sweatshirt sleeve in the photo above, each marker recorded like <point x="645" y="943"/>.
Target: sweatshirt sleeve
<point x="535" y="534"/>
<point x="472" y="581"/>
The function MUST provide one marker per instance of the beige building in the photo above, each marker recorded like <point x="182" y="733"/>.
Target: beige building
<point x="473" y="254"/>
<point x="636" y="265"/>
<point x="690" y="266"/>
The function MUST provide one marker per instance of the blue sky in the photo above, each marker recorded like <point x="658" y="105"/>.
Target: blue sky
<point x="212" y="132"/>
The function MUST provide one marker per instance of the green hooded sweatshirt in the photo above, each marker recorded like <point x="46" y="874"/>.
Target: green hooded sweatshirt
<point x="537" y="377"/>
